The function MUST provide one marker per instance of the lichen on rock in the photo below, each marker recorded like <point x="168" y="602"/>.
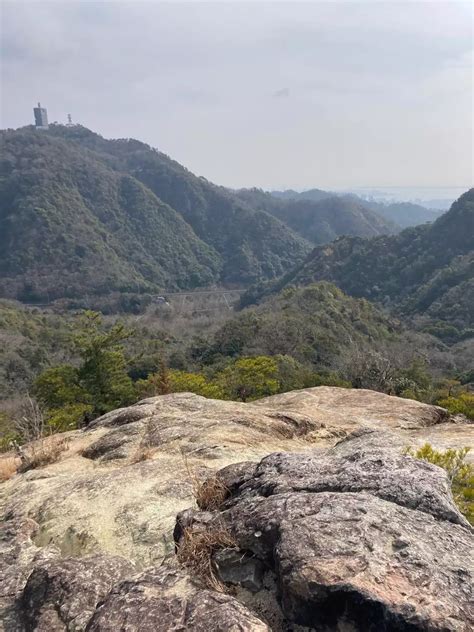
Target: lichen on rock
<point x="334" y="527"/>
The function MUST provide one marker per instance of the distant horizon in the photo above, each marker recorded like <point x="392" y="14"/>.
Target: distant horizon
<point x="452" y="192"/>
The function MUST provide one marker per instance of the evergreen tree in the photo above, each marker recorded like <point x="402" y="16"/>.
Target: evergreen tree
<point x="103" y="373"/>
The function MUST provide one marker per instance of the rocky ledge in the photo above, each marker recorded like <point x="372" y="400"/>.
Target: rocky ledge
<point x="358" y="538"/>
<point x="323" y="523"/>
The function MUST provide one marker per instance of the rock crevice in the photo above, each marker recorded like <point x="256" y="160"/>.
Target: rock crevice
<point x="361" y="538"/>
<point x="329" y="537"/>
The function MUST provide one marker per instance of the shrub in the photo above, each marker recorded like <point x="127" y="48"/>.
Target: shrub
<point x="462" y="403"/>
<point x="29" y="421"/>
<point x="68" y="417"/>
<point x="180" y="382"/>
<point x="250" y="378"/>
<point x="42" y="452"/>
<point x="460" y="473"/>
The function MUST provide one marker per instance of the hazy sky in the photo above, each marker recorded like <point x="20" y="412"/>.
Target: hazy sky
<point x="271" y="94"/>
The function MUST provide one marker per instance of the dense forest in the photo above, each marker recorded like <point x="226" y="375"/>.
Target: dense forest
<point x="77" y="365"/>
<point x="324" y="220"/>
<point x="76" y="219"/>
<point x="87" y="222"/>
<point x="400" y="214"/>
<point x="424" y="273"/>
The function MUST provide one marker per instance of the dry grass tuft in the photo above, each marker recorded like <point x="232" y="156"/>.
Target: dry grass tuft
<point x="8" y="467"/>
<point x="42" y="452"/>
<point x="195" y="551"/>
<point x="142" y="453"/>
<point x="210" y="493"/>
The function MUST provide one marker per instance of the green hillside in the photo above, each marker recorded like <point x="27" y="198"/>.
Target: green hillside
<point x="425" y="272"/>
<point x="324" y="220"/>
<point x="400" y="214"/>
<point x="80" y="215"/>
<point x="404" y="214"/>
<point x="315" y="324"/>
<point x="31" y="341"/>
<point x="70" y="225"/>
<point x="251" y="244"/>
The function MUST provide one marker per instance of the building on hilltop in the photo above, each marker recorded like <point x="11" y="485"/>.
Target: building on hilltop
<point x="41" y="117"/>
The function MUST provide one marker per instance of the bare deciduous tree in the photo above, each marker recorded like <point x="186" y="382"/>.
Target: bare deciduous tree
<point x="29" y="420"/>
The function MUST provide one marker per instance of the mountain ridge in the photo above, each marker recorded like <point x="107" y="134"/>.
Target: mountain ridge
<point x="424" y="271"/>
<point x="323" y="220"/>
<point x="75" y="220"/>
<point x="402" y="214"/>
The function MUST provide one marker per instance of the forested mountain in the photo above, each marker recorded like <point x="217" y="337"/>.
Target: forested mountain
<point x="79" y="214"/>
<point x="250" y="244"/>
<point x="70" y="225"/>
<point x="324" y="220"/>
<point x="316" y="195"/>
<point x="402" y="214"/>
<point x="315" y="324"/>
<point x="426" y="271"/>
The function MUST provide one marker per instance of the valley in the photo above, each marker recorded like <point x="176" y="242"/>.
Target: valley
<point x="321" y="289"/>
<point x="236" y="316"/>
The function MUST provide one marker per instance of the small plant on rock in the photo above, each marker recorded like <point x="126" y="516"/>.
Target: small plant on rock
<point x="42" y="452"/>
<point x="210" y="493"/>
<point x="460" y="473"/>
<point x="8" y="467"/>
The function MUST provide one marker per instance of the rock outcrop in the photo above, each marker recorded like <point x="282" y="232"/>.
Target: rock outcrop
<point x="360" y="538"/>
<point x="63" y="594"/>
<point x="114" y="494"/>
<point x="166" y="600"/>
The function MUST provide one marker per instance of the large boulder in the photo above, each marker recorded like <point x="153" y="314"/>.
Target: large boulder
<point x="367" y="461"/>
<point x="63" y="594"/>
<point x="165" y="599"/>
<point x="104" y="594"/>
<point x="117" y="488"/>
<point x="359" y="538"/>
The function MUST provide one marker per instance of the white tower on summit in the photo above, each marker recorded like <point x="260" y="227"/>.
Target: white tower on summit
<point x="41" y="117"/>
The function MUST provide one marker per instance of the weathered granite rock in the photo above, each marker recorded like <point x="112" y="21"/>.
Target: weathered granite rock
<point x="360" y="538"/>
<point x="233" y="567"/>
<point x="166" y="600"/>
<point x="106" y="495"/>
<point x="367" y="461"/>
<point x="18" y="556"/>
<point x="62" y="595"/>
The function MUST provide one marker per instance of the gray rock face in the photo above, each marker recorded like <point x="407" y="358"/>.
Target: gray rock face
<point x="166" y="600"/>
<point x="243" y="570"/>
<point x="105" y="500"/>
<point x="360" y="538"/>
<point x="367" y="461"/>
<point x="62" y="595"/>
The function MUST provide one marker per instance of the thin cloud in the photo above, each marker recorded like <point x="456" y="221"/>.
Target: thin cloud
<point x="374" y="96"/>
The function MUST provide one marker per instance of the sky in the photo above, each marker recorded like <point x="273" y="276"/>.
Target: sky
<point x="269" y="94"/>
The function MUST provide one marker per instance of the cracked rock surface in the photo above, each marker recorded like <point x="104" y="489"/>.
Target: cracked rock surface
<point x="166" y="600"/>
<point x="360" y="538"/>
<point x="325" y="528"/>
